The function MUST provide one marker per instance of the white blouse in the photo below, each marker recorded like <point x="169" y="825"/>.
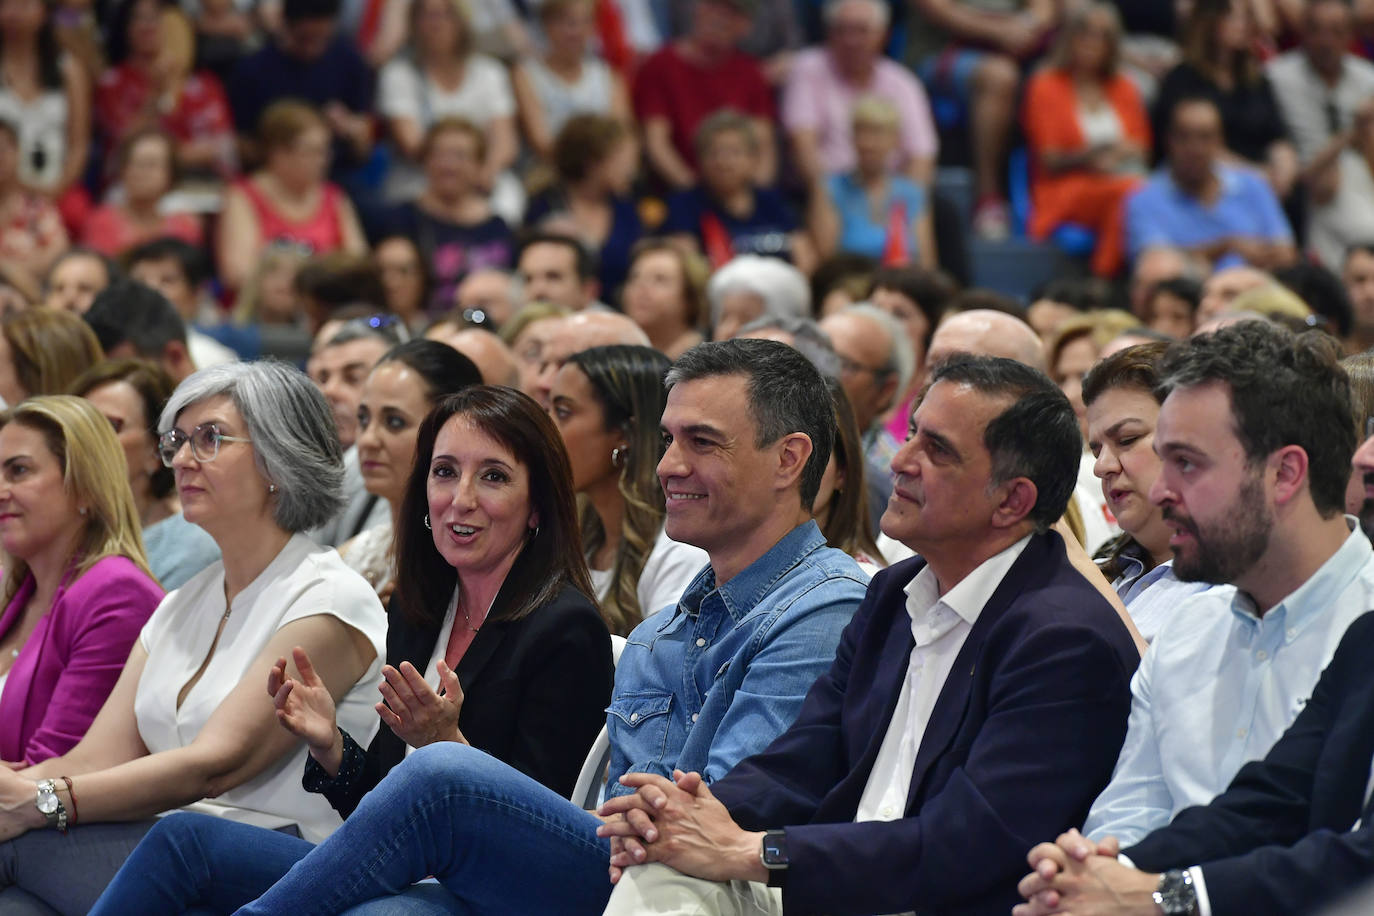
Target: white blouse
<point x="302" y="581"/>
<point x="671" y="567"/>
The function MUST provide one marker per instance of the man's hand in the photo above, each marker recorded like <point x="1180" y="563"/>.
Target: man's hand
<point x="1074" y="876"/>
<point x="681" y="824"/>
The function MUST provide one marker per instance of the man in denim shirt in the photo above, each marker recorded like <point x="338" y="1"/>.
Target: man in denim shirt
<point x="700" y="685"/>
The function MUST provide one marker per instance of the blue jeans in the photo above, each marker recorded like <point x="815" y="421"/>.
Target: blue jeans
<point x="202" y="864"/>
<point x="496" y="839"/>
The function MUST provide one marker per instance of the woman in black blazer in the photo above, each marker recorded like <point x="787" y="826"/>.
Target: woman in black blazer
<point x="492" y="596"/>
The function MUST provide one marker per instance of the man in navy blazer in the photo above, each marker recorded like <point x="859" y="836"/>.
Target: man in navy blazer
<point x="1292" y="832"/>
<point x="980" y="693"/>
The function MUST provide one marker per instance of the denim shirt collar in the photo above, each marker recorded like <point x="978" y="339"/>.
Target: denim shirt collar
<point x="1322" y="590"/>
<point x="742" y="593"/>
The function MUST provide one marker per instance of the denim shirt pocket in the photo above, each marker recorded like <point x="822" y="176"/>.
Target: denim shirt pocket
<point x="642" y="720"/>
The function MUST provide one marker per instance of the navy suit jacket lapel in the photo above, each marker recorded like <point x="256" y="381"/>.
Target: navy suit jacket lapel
<point x="952" y="704"/>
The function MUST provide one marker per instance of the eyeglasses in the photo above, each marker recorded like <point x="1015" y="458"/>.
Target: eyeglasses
<point x="850" y="367"/>
<point x="204" y="439"/>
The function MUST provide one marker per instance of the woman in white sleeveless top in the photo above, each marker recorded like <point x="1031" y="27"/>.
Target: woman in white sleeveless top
<point x="568" y="80"/>
<point x="257" y="461"/>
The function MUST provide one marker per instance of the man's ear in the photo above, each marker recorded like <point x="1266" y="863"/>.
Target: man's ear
<point x="794" y="450"/>
<point x="1018" y="501"/>
<point x="1289" y="466"/>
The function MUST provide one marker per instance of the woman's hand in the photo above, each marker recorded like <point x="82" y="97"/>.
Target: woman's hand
<point x="306" y="710"/>
<point x="18" y="815"/>
<point x="417" y="714"/>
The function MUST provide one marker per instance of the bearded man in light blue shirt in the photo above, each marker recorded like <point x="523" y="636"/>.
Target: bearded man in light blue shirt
<point x="1256" y="437"/>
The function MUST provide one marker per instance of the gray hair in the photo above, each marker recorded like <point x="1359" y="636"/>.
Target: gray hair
<point x="901" y="358"/>
<point x="785" y="395"/>
<point x="295" y="443"/>
<point x="781" y="286"/>
<point x="880" y="9"/>
<point x="807" y="339"/>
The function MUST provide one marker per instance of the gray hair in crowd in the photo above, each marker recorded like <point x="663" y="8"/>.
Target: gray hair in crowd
<point x="781" y="286"/>
<point x="901" y="357"/>
<point x="807" y="339"/>
<point x="295" y="443"/>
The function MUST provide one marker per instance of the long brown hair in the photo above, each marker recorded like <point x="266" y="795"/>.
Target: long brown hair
<point x="847" y="525"/>
<point x="1199" y="41"/>
<point x="550" y="560"/>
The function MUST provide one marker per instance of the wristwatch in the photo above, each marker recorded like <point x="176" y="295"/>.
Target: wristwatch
<point x="1176" y="895"/>
<point x="50" y="806"/>
<point x="773" y="855"/>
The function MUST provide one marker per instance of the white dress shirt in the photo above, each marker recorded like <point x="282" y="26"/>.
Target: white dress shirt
<point x="939" y="627"/>
<point x="1219" y="685"/>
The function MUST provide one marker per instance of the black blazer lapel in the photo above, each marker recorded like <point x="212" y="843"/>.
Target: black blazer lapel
<point x="480" y="651"/>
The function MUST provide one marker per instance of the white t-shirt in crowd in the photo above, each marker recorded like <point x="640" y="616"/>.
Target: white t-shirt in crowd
<point x="485" y="93"/>
<point x="671" y="566"/>
<point x="302" y="581"/>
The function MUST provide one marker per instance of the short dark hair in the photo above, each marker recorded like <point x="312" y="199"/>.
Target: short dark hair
<point x="443" y="369"/>
<point x="1134" y="367"/>
<point x="1036" y="437"/>
<point x="338" y="279"/>
<point x="153" y="386"/>
<point x="302" y="10"/>
<point x="126" y="311"/>
<point x="112" y="271"/>
<point x="933" y="291"/>
<point x="583" y="258"/>
<point x="1191" y="98"/>
<point x="786" y="395"/>
<point x="1285" y="390"/>
<point x="1185" y="289"/>
<point x="1323" y="292"/>
<point x="550" y="560"/>
<point x="191" y="261"/>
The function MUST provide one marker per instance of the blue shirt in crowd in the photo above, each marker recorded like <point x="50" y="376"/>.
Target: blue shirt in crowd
<point x="715" y="678"/>
<point x="1152" y="596"/>
<point x="1161" y="214"/>
<point x="1219" y="685"/>
<point x="860" y="233"/>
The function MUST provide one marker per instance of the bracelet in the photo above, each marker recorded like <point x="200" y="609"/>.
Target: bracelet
<point x="71" y="793"/>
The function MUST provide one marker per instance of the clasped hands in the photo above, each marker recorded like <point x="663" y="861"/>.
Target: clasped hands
<point x="680" y="823"/>
<point x="1075" y="876"/>
<point x="411" y="708"/>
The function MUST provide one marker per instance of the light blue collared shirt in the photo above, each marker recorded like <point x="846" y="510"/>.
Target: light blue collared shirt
<point x="1160" y="213"/>
<point x="716" y="677"/>
<point x="1152" y="596"/>
<point x="1219" y="685"/>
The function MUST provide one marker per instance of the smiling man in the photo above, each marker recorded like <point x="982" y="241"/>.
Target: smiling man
<point x="920" y="757"/>
<point x="1256" y="440"/>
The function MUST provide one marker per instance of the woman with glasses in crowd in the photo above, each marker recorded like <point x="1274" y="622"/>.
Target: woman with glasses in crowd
<point x="256" y="462"/>
<point x="77" y="586"/>
<point x="494" y="642"/>
<point x="402" y="387"/>
<point x="131" y="394"/>
<point x="607" y="402"/>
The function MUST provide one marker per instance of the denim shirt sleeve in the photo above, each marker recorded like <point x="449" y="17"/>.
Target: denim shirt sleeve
<point x="1137" y="799"/>
<point x="793" y="651"/>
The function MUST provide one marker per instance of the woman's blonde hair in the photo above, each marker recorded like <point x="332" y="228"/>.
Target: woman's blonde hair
<point x="49" y="349"/>
<point x="1101" y="326"/>
<point x="1076" y="22"/>
<point x="875" y="110"/>
<point x="283" y="123"/>
<point x="94" y="474"/>
<point x="461" y="11"/>
<point x="274" y="257"/>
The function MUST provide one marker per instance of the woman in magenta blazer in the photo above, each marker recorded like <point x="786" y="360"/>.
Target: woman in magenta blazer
<point x="77" y="589"/>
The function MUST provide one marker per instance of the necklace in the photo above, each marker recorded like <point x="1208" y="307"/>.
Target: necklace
<point x="462" y="606"/>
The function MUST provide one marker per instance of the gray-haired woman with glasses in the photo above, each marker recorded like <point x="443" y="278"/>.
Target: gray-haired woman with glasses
<point x="257" y="461"/>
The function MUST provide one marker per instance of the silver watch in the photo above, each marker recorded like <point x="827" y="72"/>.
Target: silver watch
<point x="50" y="806"/>
<point x="1175" y="894"/>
